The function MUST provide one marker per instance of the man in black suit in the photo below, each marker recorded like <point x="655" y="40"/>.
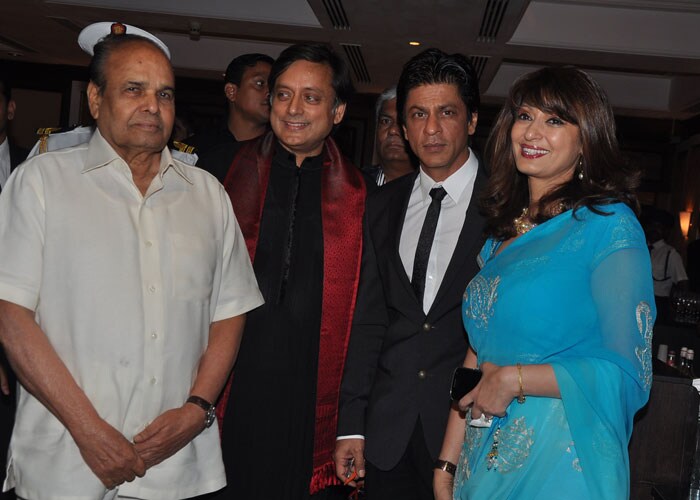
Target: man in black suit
<point x="10" y="157"/>
<point x="423" y="233"/>
<point x="248" y="98"/>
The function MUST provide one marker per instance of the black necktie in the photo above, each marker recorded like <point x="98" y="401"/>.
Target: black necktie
<point x="425" y="242"/>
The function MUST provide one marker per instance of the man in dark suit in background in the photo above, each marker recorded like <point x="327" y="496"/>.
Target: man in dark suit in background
<point x="389" y="145"/>
<point x="248" y="117"/>
<point x="423" y="233"/>
<point x="10" y="156"/>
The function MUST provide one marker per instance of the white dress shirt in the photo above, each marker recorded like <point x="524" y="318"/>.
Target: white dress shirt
<point x="453" y="211"/>
<point x="125" y="287"/>
<point x="4" y="161"/>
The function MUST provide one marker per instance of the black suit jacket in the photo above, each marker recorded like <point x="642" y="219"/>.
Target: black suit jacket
<point x="400" y="361"/>
<point x="7" y="403"/>
<point x="17" y="156"/>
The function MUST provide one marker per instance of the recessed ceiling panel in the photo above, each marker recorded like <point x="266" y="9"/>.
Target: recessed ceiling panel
<point x="631" y="30"/>
<point x="293" y="12"/>
<point x="213" y="54"/>
<point x="625" y="90"/>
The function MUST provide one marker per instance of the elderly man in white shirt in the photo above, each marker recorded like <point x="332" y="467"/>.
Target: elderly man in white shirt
<point x="124" y="285"/>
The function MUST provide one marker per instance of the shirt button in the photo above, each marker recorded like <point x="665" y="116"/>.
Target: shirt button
<point x="426" y="327"/>
<point x="149" y="244"/>
<point x="422" y="374"/>
<point x="153" y="381"/>
<point x="152" y="288"/>
<point x="154" y="334"/>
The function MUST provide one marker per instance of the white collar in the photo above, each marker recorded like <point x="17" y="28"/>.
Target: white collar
<point x="455" y="184"/>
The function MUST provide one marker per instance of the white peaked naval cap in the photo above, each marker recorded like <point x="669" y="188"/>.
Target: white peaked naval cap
<point x="92" y="34"/>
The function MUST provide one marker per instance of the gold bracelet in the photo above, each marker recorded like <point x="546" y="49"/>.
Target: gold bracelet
<point x="521" y="394"/>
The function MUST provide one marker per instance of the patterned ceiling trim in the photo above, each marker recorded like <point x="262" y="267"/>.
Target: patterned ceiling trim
<point x="336" y="12"/>
<point x="492" y="20"/>
<point x="357" y="62"/>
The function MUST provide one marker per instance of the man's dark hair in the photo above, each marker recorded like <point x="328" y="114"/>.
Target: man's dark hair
<point x="433" y="66"/>
<point x="238" y="65"/>
<point x="5" y="89"/>
<point x="104" y="48"/>
<point x="320" y="54"/>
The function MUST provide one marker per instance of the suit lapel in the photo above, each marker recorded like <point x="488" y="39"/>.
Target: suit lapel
<point x="398" y="215"/>
<point x="470" y="235"/>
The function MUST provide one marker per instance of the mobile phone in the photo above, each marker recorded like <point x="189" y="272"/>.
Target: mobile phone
<point x="463" y="381"/>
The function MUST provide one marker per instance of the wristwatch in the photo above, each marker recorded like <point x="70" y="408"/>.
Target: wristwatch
<point x="205" y="405"/>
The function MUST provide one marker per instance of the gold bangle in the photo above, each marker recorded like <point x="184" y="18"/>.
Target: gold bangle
<point x="521" y="394"/>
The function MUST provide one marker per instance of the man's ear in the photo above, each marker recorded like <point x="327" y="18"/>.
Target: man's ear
<point x="471" y="126"/>
<point x="231" y="91"/>
<point x="339" y="113"/>
<point x="94" y="99"/>
<point x="11" y="107"/>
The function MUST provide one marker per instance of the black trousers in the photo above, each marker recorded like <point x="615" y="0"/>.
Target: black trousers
<point x="332" y="493"/>
<point x="7" y="419"/>
<point x="410" y="479"/>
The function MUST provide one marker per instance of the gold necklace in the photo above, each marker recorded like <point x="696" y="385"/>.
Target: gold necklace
<point x="523" y="224"/>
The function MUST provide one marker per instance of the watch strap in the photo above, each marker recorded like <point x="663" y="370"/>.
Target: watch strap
<point x="446" y="466"/>
<point x="205" y="405"/>
<point x="201" y="402"/>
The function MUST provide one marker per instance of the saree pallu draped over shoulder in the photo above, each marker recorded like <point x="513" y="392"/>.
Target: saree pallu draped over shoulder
<point x="574" y="293"/>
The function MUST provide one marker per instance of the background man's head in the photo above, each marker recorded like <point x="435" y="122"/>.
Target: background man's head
<point x="7" y="107"/>
<point x="437" y="99"/>
<point x="389" y="142"/>
<point x="657" y="224"/>
<point x="310" y="86"/>
<point x="246" y="88"/>
<point x="132" y="94"/>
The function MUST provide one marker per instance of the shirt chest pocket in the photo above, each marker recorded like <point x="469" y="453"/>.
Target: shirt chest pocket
<point x="194" y="263"/>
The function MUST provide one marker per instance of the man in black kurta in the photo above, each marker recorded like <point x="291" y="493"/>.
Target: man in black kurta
<point x="279" y="352"/>
<point x="300" y="205"/>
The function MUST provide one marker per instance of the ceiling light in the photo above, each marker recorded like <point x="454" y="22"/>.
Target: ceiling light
<point x="414" y="44"/>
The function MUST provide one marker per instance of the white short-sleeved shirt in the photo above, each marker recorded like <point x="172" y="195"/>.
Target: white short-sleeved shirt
<point x="666" y="268"/>
<point x="125" y="287"/>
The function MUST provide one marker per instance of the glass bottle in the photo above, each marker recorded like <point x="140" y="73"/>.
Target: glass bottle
<point x="690" y="360"/>
<point x="671" y="360"/>
<point x="683" y="365"/>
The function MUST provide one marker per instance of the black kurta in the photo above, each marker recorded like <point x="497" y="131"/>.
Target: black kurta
<point x="269" y="423"/>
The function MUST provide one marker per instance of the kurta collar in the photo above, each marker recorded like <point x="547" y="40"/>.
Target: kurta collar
<point x="284" y="157"/>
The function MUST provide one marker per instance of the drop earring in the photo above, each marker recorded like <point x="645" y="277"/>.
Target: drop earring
<point x="580" y="168"/>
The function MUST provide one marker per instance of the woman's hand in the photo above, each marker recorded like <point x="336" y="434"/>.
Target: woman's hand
<point x="495" y="391"/>
<point x="443" y="484"/>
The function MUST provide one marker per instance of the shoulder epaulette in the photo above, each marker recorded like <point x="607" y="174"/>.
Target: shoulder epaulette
<point x="184" y="148"/>
<point x="44" y="133"/>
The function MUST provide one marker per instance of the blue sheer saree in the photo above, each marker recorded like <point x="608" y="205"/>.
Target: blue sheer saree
<point x="576" y="293"/>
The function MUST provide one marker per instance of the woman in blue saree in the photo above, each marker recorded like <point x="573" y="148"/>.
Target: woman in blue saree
<point x="560" y="316"/>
